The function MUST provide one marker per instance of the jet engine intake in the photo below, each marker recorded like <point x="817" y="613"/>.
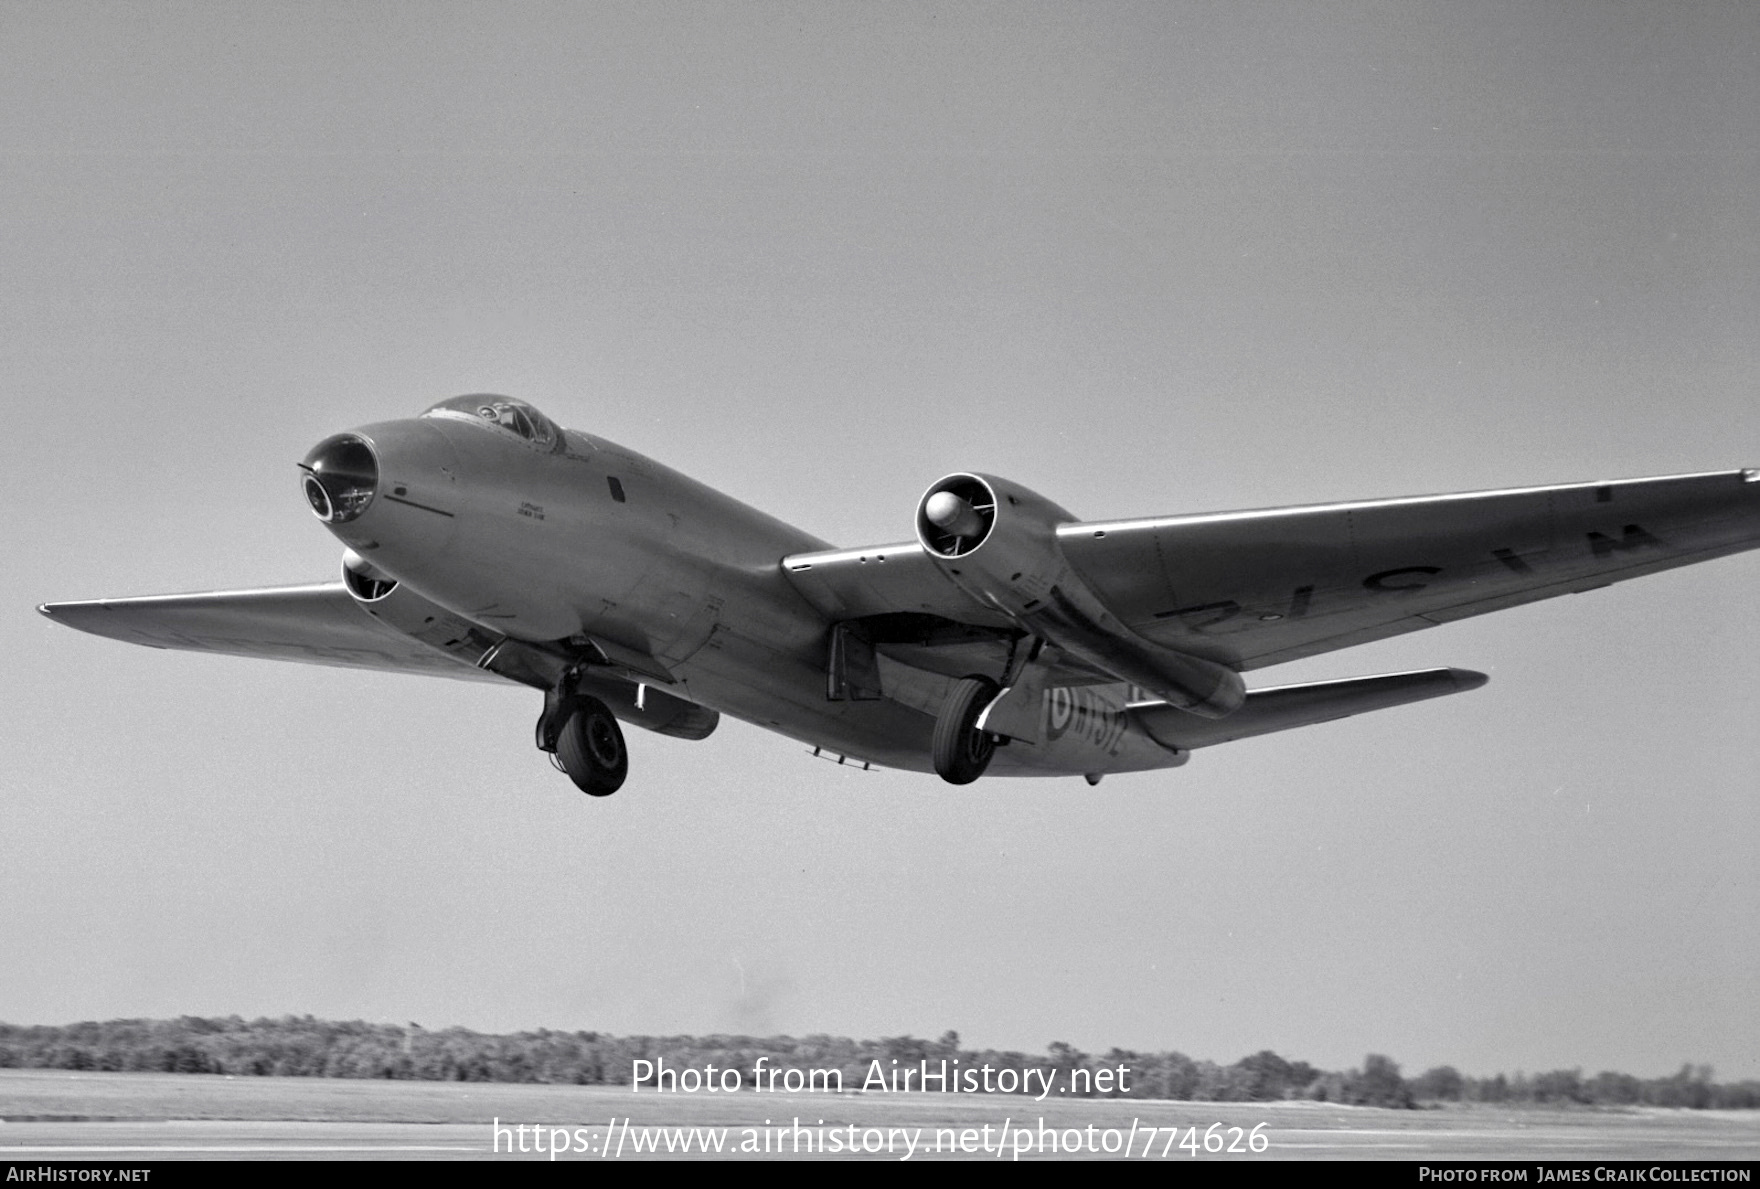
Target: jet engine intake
<point x="997" y="541"/>
<point x="365" y="581"/>
<point x="394" y="604"/>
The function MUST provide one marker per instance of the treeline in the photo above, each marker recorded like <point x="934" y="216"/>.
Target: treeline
<point x="301" y="1046"/>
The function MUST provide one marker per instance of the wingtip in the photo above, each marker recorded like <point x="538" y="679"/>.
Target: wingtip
<point x="1466" y="679"/>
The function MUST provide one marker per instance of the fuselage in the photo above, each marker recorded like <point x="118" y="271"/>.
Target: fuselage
<point x="580" y="537"/>
<point x="563" y="539"/>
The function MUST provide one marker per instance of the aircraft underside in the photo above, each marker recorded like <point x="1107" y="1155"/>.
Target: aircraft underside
<point x="1008" y="638"/>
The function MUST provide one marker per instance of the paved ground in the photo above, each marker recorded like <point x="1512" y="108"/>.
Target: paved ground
<point x="115" y="1117"/>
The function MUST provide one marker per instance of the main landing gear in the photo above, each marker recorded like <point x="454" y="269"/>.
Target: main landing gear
<point x="584" y="740"/>
<point x="960" y="750"/>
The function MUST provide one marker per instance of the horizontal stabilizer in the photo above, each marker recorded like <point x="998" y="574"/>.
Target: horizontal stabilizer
<point x="1281" y="707"/>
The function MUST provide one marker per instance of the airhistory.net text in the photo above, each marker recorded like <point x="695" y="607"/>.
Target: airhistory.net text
<point x="895" y="1077"/>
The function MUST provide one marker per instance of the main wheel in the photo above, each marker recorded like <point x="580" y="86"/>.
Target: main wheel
<point x="590" y="747"/>
<point x="961" y="751"/>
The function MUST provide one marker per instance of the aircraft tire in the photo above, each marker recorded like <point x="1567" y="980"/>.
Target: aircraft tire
<point x="961" y="752"/>
<point x="591" y="749"/>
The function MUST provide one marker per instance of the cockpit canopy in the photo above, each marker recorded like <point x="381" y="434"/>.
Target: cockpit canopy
<point x="503" y="413"/>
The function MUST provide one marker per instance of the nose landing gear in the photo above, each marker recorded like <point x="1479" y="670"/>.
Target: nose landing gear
<point x="584" y="740"/>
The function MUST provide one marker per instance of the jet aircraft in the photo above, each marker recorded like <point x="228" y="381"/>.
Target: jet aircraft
<point x="484" y="541"/>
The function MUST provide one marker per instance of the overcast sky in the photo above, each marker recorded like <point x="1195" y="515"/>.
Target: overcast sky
<point x="1146" y="259"/>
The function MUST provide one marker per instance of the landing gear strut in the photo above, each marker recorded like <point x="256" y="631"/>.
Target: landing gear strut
<point x="960" y="750"/>
<point x="584" y="740"/>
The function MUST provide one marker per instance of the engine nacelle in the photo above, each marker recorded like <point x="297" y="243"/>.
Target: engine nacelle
<point x="997" y="541"/>
<point x="397" y="606"/>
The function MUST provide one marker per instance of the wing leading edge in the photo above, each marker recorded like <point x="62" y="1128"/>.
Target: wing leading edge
<point x="319" y="625"/>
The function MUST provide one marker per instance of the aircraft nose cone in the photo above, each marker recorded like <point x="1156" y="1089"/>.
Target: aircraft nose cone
<point x="341" y="477"/>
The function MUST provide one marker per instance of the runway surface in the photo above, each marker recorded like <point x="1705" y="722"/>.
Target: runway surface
<point x="57" y="1116"/>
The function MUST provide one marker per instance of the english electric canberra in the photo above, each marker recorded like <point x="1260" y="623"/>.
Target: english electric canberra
<point x="483" y="541"/>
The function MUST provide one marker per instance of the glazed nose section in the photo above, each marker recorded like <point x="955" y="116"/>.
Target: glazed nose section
<point x="341" y="477"/>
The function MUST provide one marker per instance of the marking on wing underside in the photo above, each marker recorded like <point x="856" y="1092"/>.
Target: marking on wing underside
<point x="1631" y="537"/>
<point x="1380" y="584"/>
<point x="1407" y="580"/>
<point x="1228" y="608"/>
<point x="1515" y="564"/>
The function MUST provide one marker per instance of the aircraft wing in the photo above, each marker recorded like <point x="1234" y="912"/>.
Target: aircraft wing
<point x="1257" y="588"/>
<point x="319" y="625"/>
